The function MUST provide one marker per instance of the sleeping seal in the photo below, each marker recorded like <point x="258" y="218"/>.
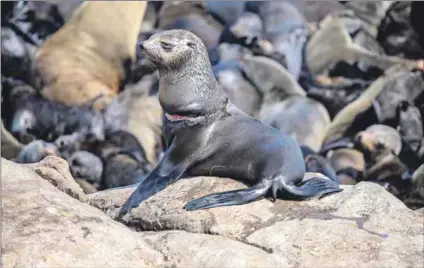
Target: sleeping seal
<point x="206" y="135"/>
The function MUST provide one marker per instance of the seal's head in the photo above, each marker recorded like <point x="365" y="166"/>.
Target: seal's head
<point x="86" y="165"/>
<point x="24" y="123"/>
<point x="173" y="49"/>
<point x="36" y="151"/>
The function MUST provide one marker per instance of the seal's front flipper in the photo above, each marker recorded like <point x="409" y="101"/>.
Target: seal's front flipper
<point x="313" y="187"/>
<point x="161" y="177"/>
<point x="230" y="198"/>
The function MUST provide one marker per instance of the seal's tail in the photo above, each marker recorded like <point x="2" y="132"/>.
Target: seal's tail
<point x="313" y="187"/>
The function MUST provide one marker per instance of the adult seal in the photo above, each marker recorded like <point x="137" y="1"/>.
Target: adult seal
<point x="206" y="135"/>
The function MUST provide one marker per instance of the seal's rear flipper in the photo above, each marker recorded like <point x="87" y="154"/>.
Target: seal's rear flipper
<point x="311" y="188"/>
<point x="230" y="198"/>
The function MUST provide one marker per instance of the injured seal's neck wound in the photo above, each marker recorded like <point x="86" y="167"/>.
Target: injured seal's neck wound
<point x="187" y="82"/>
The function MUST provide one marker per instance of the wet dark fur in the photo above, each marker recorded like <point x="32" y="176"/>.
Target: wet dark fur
<point x="207" y="135"/>
<point x="52" y="120"/>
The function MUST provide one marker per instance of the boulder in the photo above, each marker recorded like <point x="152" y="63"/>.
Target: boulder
<point x="43" y="227"/>
<point x="56" y="171"/>
<point x="362" y="226"/>
<point x="202" y="250"/>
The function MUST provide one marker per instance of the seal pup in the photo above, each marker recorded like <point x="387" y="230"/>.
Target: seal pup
<point x="396" y="32"/>
<point x="335" y="93"/>
<point x="226" y="12"/>
<point x="304" y="119"/>
<point x="191" y="16"/>
<point x="135" y="112"/>
<point x="408" y="86"/>
<point x="270" y="78"/>
<point x="243" y="94"/>
<point x="319" y="164"/>
<point x="285" y="28"/>
<point x="123" y="157"/>
<point x="381" y="146"/>
<point x="14" y="55"/>
<point x="349" y="164"/>
<point x="87" y="166"/>
<point x="205" y="134"/>
<point x="35" y="117"/>
<point x="232" y="79"/>
<point x="332" y="43"/>
<point x="378" y="137"/>
<point x="367" y="101"/>
<point x="36" y="151"/>
<point x="32" y="20"/>
<point x="247" y="31"/>
<point x="122" y="169"/>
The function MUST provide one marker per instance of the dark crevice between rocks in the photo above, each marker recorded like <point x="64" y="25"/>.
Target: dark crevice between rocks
<point x="207" y="231"/>
<point x="152" y="227"/>
<point x="266" y="249"/>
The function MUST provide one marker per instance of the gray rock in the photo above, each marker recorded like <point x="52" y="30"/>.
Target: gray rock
<point x="363" y="226"/>
<point x="42" y="227"/>
<point x="86" y="187"/>
<point x="56" y="171"/>
<point x="202" y="250"/>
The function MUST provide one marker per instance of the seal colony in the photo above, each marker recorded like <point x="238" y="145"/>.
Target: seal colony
<point x="202" y="130"/>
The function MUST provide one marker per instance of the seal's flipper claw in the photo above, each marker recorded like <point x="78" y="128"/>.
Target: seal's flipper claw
<point x="230" y="198"/>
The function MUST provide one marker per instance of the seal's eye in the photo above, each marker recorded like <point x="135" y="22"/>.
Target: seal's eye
<point x="191" y="44"/>
<point x="166" y="46"/>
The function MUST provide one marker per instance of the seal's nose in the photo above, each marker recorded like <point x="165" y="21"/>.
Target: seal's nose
<point x="142" y="45"/>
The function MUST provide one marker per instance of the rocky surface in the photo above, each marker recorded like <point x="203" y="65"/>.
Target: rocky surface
<point x="363" y="226"/>
<point x="44" y="227"/>
<point x="360" y="68"/>
<point x="201" y="250"/>
<point x="56" y="171"/>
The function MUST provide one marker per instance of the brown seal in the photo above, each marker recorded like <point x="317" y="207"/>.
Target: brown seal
<point x="91" y="54"/>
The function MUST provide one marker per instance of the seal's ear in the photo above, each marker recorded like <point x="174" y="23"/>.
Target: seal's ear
<point x="191" y="44"/>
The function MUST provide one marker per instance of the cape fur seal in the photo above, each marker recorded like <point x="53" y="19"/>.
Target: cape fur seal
<point x="91" y="54"/>
<point x="35" y="117"/>
<point x="205" y="134"/>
